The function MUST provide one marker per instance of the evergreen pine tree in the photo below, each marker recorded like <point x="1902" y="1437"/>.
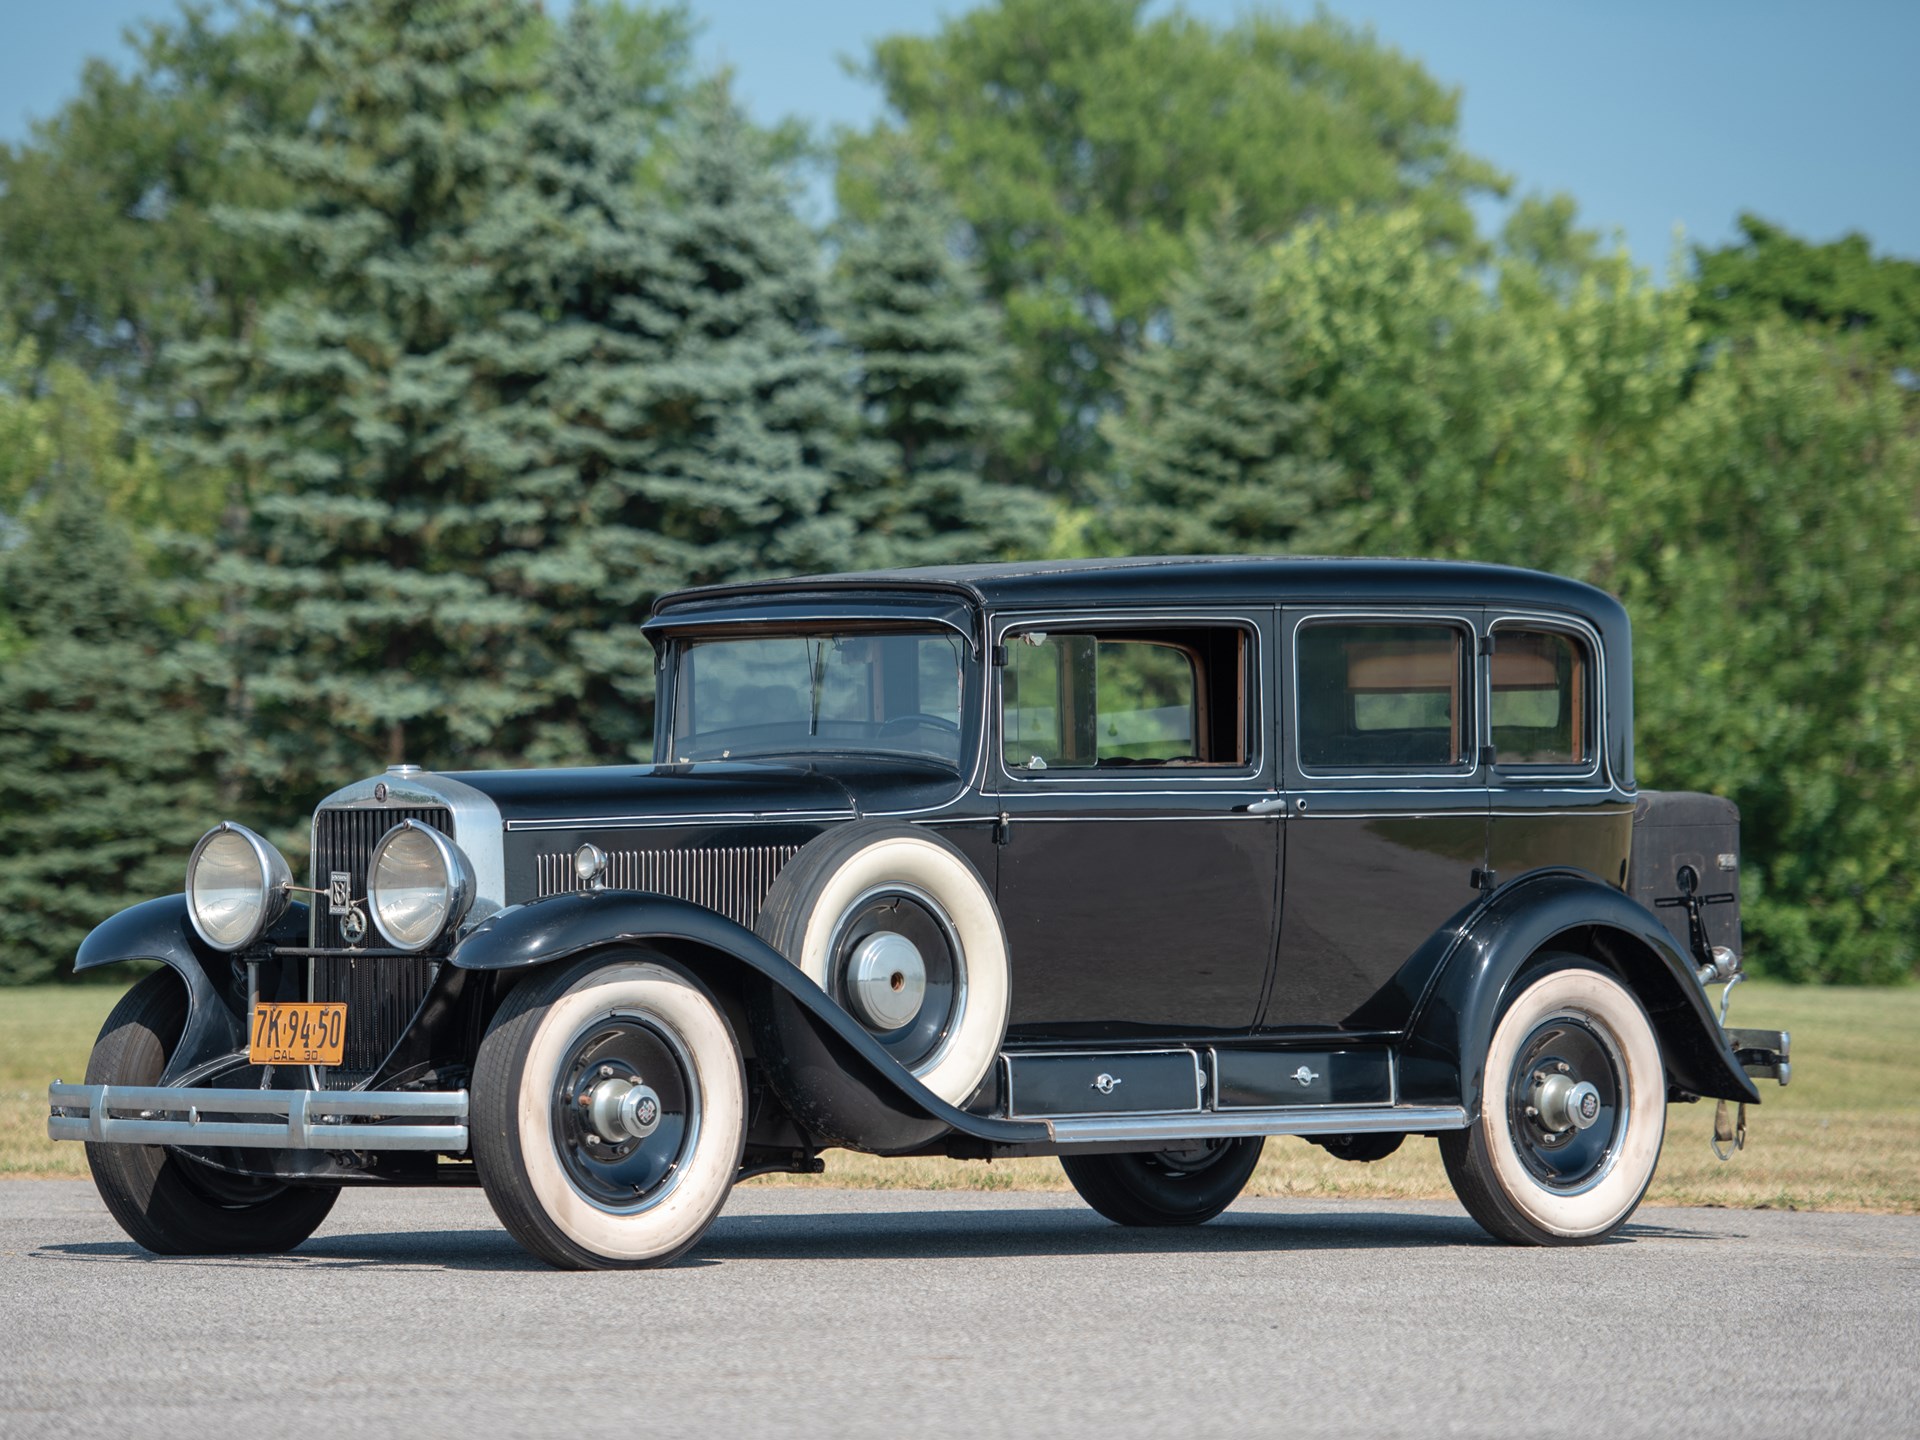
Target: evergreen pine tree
<point x="1212" y="451"/>
<point x="931" y="364"/>
<point x="568" y="361"/>
<point x="104" y="764"/>
<point x="711" y="427"/>
<point x="357" y="616"/>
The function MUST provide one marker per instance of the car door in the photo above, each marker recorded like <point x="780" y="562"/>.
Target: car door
<point x="1554" y="801"/>
<point x="1137" y="887"/>
<point x="1387" y="796"/>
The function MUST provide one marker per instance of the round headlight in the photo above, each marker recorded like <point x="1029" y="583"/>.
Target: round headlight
<point x="236" y="886"/>
<point x="418" y="885"/>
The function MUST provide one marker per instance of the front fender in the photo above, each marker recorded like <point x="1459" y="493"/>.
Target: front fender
<point x="729" y="957"/>
<point x="1445" y="1057"/>
<point x="160" y="930"/>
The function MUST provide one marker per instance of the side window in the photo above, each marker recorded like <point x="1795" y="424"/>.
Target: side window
<point x="1113" y="700"/>
<point x="1542" y="695"/>
<point x="1382" y="696"/>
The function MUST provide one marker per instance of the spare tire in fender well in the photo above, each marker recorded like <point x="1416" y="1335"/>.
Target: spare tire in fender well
<point x="895" y="881"/>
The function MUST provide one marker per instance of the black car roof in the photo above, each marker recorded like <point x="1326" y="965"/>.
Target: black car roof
<point x="1164" y="580"/>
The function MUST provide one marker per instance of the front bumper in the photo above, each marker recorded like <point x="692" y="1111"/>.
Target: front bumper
<point x="434" y="1120"/>
<point x="1763" y="1054"/>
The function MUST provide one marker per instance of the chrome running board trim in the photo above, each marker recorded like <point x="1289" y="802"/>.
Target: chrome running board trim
<point x="301" y="1119"/>
<point x="1229" y="1124"/>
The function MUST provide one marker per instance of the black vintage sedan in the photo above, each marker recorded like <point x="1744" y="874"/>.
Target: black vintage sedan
<point x="1131" y="862"/>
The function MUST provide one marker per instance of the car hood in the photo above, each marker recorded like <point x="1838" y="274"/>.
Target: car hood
<point x="666" y="792"/>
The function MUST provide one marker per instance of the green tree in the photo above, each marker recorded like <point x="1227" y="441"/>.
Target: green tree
<point x="931" y="370"/>
<point x="1082" y="140"/>
<point x="673" y="412"/>
<point x="110" y="247"/>
<point x="1873" y="302"/>
<point x="1768" y="564"/>
<point x="1214" y="450"/>
<point x="573" y="361"/>
<point x="360" y="627"/>
<point x="104" y="760"/>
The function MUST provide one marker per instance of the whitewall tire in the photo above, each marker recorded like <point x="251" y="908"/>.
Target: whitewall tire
<point x="1572" y="1115"/>
<point x="609" y="1112"/>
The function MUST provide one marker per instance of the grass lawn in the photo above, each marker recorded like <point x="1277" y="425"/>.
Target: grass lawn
<point x="1844" y="1136"/>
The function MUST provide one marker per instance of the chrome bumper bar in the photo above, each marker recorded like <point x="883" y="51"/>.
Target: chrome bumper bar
<point x="297" y="1119"/>
<point x="1763" y="1054"/>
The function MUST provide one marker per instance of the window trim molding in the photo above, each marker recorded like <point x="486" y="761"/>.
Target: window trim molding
<point x="1133" y="778"/>
<point x="1476" y="728"/>
<point x="1546" y="773"/>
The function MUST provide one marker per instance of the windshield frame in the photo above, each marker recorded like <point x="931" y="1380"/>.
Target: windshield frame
<point x="676" y="648"/>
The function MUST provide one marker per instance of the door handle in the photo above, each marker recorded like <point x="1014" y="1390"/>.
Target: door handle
<point x="1275" y="806"/>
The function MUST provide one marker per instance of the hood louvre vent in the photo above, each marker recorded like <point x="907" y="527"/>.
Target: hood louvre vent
<point x="732" y="880"/>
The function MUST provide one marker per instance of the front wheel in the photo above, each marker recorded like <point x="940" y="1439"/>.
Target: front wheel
<point x="609" y="1113"/>
<point x="1572" y="1116"/>
<point x="165" y="1202"/>
<point x="1167" y="1187"/>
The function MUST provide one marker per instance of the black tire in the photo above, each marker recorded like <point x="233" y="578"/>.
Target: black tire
<point x="1168" y="1187"/>
<point x="837" y="892"/>
<point x="1530" y="1178"/>
<point x="562" y="1188"/>
<point x="165" y="1202"/>
<point x="1362" y="1148"/>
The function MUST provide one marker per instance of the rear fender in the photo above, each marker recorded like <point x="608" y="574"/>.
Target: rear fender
<point x="887" y="1111"/>
<point x="160" y="930"/>
<point x="1566" y="911"/>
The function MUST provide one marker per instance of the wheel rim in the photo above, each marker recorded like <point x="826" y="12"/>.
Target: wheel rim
<point x="911" y="913"/>
<point x="619" y="1171"/>
<point x="1568" y="1105"/>
<point x="1197" y="1161"/>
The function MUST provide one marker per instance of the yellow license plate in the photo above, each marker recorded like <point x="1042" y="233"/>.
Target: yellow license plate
<point x="298" y="1034"/>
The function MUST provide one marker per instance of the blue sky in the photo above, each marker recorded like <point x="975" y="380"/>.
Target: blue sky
<point x="1650" y="114"/>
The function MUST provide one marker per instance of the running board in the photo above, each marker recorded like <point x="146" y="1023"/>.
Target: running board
<point x="1230" y="1124"/>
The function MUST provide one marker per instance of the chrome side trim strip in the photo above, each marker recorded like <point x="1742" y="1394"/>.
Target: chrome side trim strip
<point x="300" y="1119"/>
<point x="1223" y="1124"/>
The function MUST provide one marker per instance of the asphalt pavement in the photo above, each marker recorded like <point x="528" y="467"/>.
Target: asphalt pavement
<point x="910" y="1314"/>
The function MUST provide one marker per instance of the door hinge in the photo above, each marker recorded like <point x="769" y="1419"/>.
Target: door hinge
<point x="1000" y="656"/>
<point x="1001" y="826"/>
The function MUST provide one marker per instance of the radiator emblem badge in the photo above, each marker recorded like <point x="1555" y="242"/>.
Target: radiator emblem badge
<point x="353" y="926"/>
<point x="380" y="792"/>
<point x="339" y="892"/>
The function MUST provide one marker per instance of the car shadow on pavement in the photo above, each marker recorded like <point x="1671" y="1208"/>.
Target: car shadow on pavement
<point x="961" y="1233"/>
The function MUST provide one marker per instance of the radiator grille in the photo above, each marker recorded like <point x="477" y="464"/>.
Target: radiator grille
<point x="381" y="991"/>
<point x="732" y="880"/>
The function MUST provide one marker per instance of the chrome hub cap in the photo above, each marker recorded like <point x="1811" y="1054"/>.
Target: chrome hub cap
<point x="621" y="1110"/>
<point x="1567" y="1103"/>
<point x="1564" y="1103"/>
<point x="886" y="980"/>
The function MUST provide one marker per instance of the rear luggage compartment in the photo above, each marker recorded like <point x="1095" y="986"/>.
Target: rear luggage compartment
<point x="1681" y="831"/>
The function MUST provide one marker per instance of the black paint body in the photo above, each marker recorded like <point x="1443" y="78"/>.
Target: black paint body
<point x="1361" y="930"/>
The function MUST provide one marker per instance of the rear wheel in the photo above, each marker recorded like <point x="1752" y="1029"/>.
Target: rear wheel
<point x="165" y="1202"/>
<point x="1572" y="1116"/>
<point x="609" y="1113"/>
<point x="1166" y="1187"/>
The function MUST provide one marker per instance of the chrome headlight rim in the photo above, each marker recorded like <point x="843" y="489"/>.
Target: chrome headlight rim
<point x="457" y="885"/>
<point x="275" y="885"/>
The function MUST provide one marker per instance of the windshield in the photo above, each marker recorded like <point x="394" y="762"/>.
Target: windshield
<point x="894" y="693"/>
